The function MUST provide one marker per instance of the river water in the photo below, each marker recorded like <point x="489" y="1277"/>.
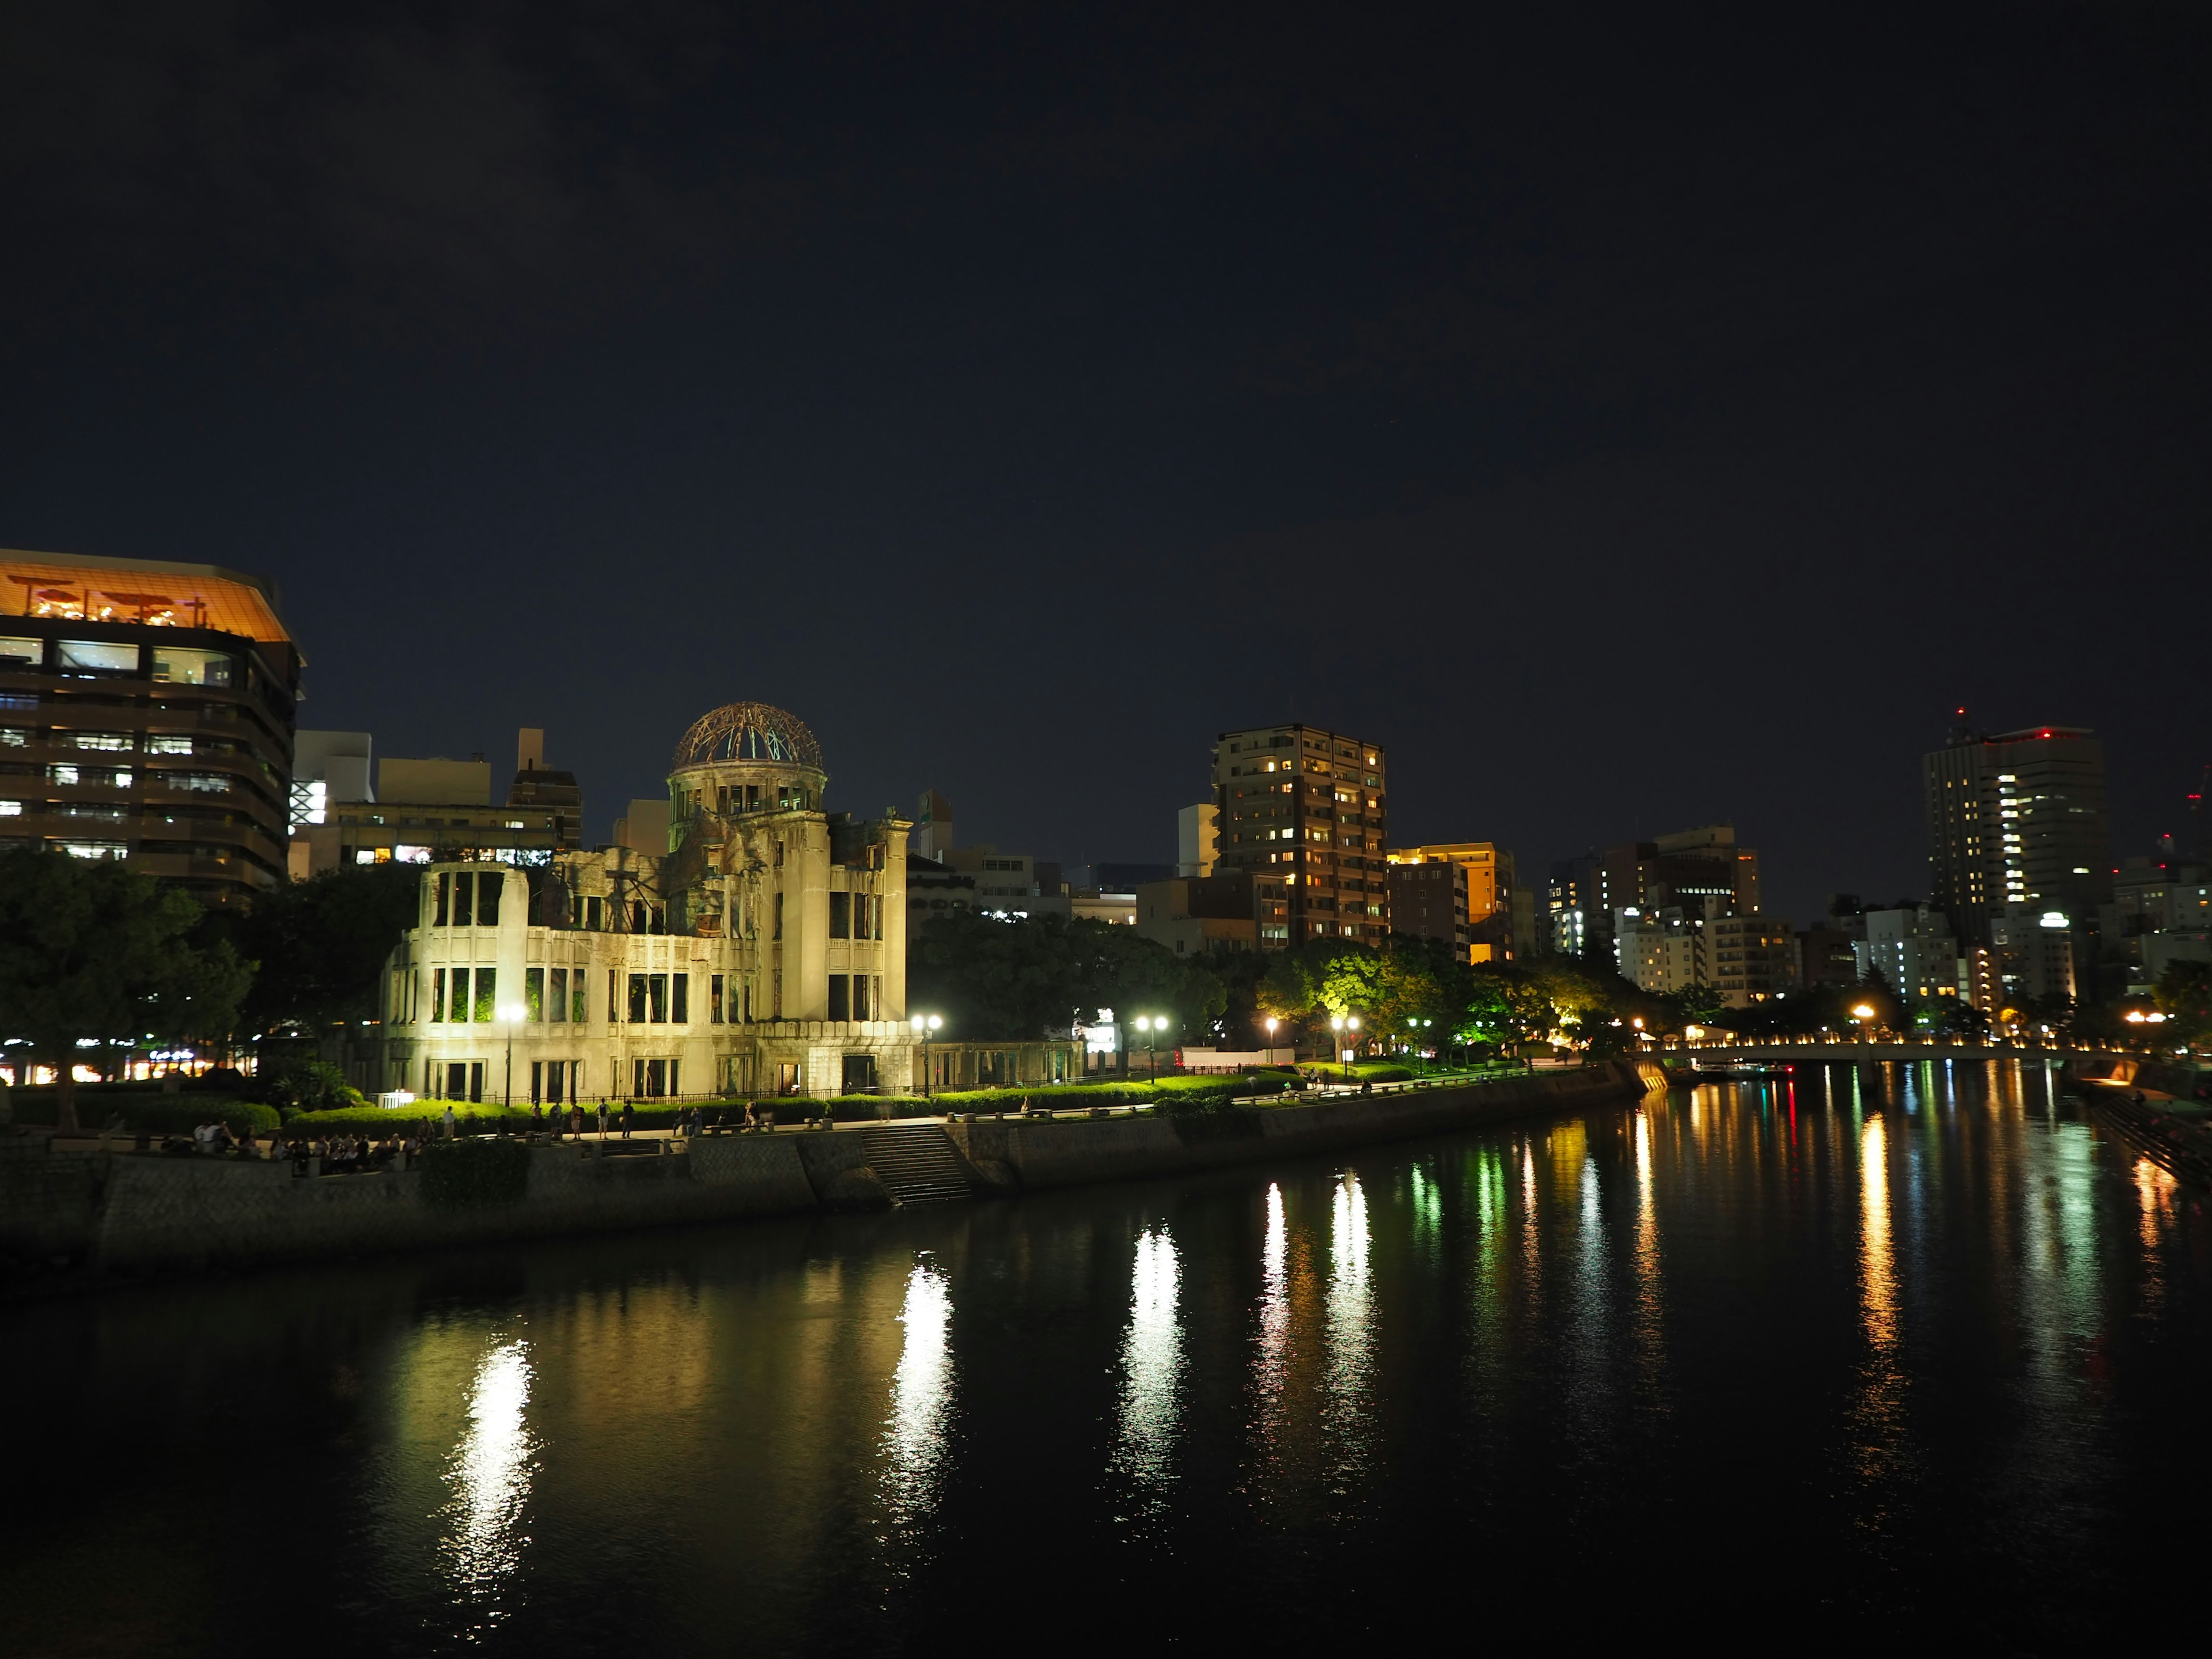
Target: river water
<point x="1801" y="1363"/>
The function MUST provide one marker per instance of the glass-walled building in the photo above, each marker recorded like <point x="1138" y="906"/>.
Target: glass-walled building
<point x="146" y="714"/>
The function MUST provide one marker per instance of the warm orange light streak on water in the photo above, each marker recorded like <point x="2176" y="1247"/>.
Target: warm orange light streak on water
<point x="1877" y="1256"/>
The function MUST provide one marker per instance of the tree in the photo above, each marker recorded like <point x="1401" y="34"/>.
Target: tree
<point x="95" y="950"/>
<point x="2184" y="995"/>
<point x="321" y="944"/>
<point x="1018" y="980"/>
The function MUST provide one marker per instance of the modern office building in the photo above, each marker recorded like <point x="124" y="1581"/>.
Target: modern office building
<point x="763" y="953"/>
<point x="1309" y="808"/>
<point x="146" y="714"/>
<point x="2017" y="819"/>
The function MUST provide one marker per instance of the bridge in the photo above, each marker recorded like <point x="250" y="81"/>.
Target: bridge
<point x="1842" y="1050"/>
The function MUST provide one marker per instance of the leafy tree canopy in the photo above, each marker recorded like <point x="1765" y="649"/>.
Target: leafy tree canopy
<point x="321" y="943"/>
<point x="96" y="950"/>
<point x="1020" y="979"/>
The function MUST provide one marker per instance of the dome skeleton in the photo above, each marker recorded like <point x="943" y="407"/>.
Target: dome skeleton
<point x="738" y="733"/>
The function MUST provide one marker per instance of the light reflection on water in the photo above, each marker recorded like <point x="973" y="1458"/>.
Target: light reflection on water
<point x="490" y="1476"/>
<point x="1882" y="1314"/>
<point x="1152" y="1370"/>
<point x="917" y="1433"/>
<point x="1350" y="1338"/>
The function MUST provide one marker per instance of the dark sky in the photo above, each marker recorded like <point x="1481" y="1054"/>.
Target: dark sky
<point x="1632" y="418"/>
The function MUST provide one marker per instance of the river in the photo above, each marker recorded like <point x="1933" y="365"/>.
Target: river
<point x="1798" y="1363"/>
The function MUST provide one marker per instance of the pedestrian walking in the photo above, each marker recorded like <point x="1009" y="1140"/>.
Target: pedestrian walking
<point x="451" y="1129"/>
<point x="627" y="1114"/>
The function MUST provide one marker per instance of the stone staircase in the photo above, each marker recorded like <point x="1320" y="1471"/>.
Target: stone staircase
<point x="917" y="1162"/>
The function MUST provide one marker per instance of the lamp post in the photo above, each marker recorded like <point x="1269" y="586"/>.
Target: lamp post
<point x="1351" y="1025"/>
<point x="1336" y="1025"/>
<point x="1862" y="1014"/>
<point x="923" y="1024"/>
<point x="1152" y="1025"/>
<point x="511" y="1015"/>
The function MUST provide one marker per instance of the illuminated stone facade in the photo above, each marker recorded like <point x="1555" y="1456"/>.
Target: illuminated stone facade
<point x="764" y="953"/>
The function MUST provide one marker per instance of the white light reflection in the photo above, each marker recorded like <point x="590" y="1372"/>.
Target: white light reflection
<point x="490" y="1474"/>
<point x="1351" y="1336"/>
<point x="1270" y="1365"/>
<point x="917" y="1440"/>
<point x="1152" y="1366"/>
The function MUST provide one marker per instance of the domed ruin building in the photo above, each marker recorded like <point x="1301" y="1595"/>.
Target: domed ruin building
<point x="763" y="953"/>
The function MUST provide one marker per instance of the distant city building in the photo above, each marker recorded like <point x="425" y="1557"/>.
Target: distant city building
<point x="1699" y="872"/>
<point x="932" y="826"/>
<point x="146" y="715"/>
<point x="1006" y="884"/>
<point x="1194" y="916"/>
<point x="1311" y="808"/>
<point x="326" y="767"/>
<point x="1913" y="949"/>
<point x="762" y="952"/>
<point x="1748" y="959"/>
<point x="1489" y="934"/>
<point x="1195" y="843"/>
<point x="2036" y="953"/>
<point x="2020" y="819"/>
<point x="1429" y="900"/>
<point x="425" y="812"/>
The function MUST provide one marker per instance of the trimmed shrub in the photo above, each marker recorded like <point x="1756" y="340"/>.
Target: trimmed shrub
<point x="475" y="1173"/>
<point x="155" y="1113"/>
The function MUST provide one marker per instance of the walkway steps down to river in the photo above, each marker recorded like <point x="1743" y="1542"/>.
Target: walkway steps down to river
<point x="917" y="1162"/>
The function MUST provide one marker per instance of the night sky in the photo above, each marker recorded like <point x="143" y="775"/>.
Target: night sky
<point x="1632" y="419"/>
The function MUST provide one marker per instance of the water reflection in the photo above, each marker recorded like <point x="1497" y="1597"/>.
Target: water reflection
<point x="1151" y="1369"/>
<point x="1271" y="1364"/>
<point x="1349" y="1329"/>
<point x="1650" y="1352"/>
<point x="917" y="1435"/>
<point x="490" y="1476"/>
<point x="1879" y="1451"/>
<point x="2155" y="1188"/>
<point x="1877" y="1254"/>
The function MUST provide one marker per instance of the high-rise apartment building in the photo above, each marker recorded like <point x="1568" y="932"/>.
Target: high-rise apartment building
<point x="2017" y="819"/>
<point x="1429" y="899"/>
<point x="146" y="714"/>
<point x="1309" y="808"/>
<point x="1485" y="921"/>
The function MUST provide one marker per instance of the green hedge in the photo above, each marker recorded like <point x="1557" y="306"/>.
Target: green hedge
<point x="155" y="1113"/>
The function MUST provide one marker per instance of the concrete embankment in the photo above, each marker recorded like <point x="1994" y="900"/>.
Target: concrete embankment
<point x="1012" y="1153"/>
<point x="135" y="1212"/>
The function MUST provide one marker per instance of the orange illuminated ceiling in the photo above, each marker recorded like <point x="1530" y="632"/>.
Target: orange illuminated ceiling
<point x="160" y="595"/>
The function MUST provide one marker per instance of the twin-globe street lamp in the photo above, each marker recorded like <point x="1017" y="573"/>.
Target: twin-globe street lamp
<point x="923" y="1025"/>
<point x="1341" y="1023"/>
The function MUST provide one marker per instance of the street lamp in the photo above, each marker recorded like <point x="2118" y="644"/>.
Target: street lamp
<point x="511" y="1015"/>
<point x="1151" y="1024"/>
<point x="923" y="1024"/>
<point x="1862" y="1014"/>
